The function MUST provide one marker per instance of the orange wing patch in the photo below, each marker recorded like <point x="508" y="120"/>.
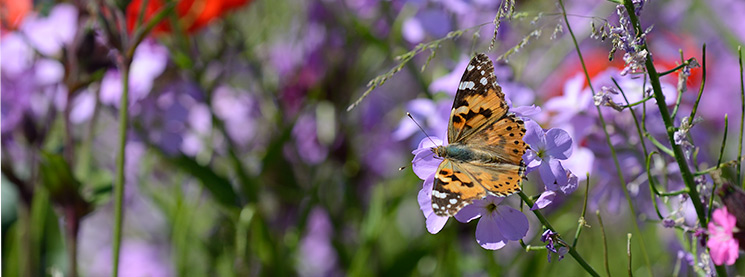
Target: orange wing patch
<point x="503" y="139"/>
<point x="453" y="189"/>
<point x="497" y="179"/>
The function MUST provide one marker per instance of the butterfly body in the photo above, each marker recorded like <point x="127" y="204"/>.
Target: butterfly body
<point x="464" y="153"/>
<point x="485" y="146"/>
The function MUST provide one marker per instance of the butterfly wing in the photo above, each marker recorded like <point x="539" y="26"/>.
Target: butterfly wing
<point x="458" y="184"/>
<point x="478" y="101"/>
<point x="502" y="139"/>
<point x="454" y="188"/>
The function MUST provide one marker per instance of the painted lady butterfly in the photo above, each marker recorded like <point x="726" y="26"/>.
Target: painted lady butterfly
<point x="485" y="149"/>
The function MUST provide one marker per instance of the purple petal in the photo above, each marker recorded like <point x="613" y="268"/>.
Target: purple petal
<point x="434" y="222"/>
<point x="412" y="30"/>
<point x="405" y="129"/>
<point x="470" y="212"/>
<point x="546" y="198"/>
<point x="526" y="111"/>
<point x="488" y="234"/>
<point x="425" y="162"/>
<point x="48" y="72"/>
<point x="531" y="160"/>
<point x="534" y="135"/>
<point x="558" y="143"/>
<point x="552" y="174"/>
<point x="512" y="223"/>
<point x="17" y="55"/>
<point x="572" y="183"/>
<point x="49" y="34"/>
<point x="449" y="83"/>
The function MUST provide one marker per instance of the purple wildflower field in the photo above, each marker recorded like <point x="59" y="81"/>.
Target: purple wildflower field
<point x="288" y="137"/>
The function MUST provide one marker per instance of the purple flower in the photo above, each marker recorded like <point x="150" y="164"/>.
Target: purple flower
<point x="425" y="165"/>
<point x="149" y="61"/>
<point x="307" y="140"/>
<point x="722" y="245"/>
<point x="498" y="225"/>
<point x="318" y="256"/>
<point x="546" y="149"/>
<point x="550" y="237"/>
<point x="49" y="34"/>
<point x="603" y="97"/>
<point x="433" y="116"/>
<point x="668" y="223"/>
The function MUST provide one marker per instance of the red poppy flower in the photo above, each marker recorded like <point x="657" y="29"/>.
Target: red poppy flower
<point x="192" y="14"/>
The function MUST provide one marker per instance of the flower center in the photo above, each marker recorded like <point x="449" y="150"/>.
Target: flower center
<point x="541" y="153"/>
<point x="491" y="207"/>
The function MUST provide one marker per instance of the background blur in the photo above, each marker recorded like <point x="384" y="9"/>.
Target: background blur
<point x="242" y="159"/>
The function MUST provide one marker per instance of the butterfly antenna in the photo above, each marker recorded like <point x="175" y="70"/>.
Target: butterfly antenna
<point x="420" y="128"/>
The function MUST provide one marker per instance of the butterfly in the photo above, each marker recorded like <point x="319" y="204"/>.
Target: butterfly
<point x="484" y="154"/>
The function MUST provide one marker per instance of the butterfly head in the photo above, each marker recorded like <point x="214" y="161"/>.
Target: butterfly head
<point x="440" y="151"/>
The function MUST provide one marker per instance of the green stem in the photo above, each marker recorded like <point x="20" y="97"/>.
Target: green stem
<point x="679" y="157"/>
<point x="637" y="102"/>
<point x="654" y="79"/>
<point x="605" y="243"/>
<point x="742" y="118"/>
<point x="120" y="160"/>
<point x="608" y="141"/>
<point x="577" y="257"/>
<point x="582" y="222"/>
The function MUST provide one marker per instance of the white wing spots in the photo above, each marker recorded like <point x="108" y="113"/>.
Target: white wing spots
<point x="483" y="80"/>
<point x="470" y="67"/>
<point x="483" y="72"/>
<point x="435" y="206"/>
<point x="478" y="67"/>
<point x="449" y="206"/>
<point x="466" y="85"/>
<point x="439" y="194"/>
<point x="453" y="201"/>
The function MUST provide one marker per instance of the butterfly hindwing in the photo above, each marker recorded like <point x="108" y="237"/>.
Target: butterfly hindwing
<point x="479" y="99"/>
<point x="497" y="179"/>
<point x="453" y="189"/>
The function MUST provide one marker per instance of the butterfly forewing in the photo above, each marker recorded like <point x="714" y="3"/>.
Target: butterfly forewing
<point x="503" y="139"/>
<point x="479" y="99"/>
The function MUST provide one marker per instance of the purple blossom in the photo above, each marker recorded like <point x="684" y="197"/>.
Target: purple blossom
<point x="499" y="223"/>
<point x="305" y="133"/>
<point x="546" y="149"/>
<point x="550" y="237"/>
<point x="49" y="34"/>
<point x="721" y="243"/>
<point x="433" y="116"/>
<point x="317" y="254"/>
<point x="603" y="97"/>
<point x="149" y="61"/>
<point x="425" y="165"/>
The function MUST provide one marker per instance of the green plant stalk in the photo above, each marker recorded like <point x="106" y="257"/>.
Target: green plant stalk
<point x="581" y="222"/>
<point x="605" y="243"/>
<point x="608" y="141"/>
<point x="654" y="79"/>
<point x="742" y="118"/>
<point x="120" y="160"/>
<point x="573" y="252"/>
